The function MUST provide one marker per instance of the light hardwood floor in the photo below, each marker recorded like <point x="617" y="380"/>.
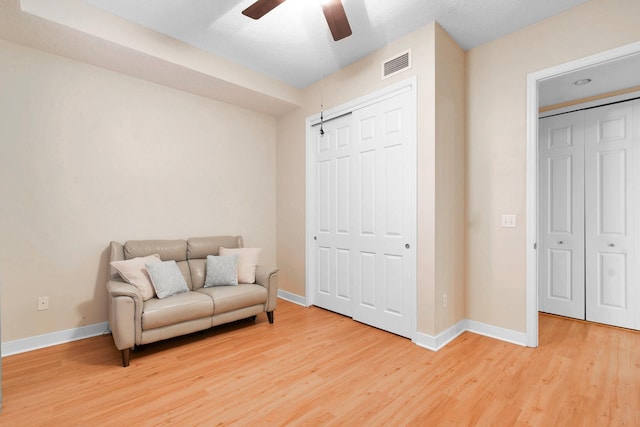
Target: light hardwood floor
<point x="314" y="367"/>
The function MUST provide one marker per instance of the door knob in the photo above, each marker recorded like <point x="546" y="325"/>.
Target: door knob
<point x="407" y="246"/>
<point x="560" y="242"/>
<point x="611" y="245"/>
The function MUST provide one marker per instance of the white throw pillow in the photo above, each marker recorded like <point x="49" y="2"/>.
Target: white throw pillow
<point x="222" y="271"/>
<point x="167" y="279"/>
<point x="247" y="262"/>
<point x="134" y="271"/>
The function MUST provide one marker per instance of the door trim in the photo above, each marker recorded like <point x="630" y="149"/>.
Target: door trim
<point x="532" y="171"/>
<point x="410" y="85"/>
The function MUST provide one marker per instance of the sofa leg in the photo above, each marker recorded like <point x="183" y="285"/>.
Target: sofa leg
<point x="126" y="354"/>
<point x="270" y="316"/>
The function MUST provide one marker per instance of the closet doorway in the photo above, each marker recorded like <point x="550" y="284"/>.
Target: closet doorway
<point x="589" y="185"/>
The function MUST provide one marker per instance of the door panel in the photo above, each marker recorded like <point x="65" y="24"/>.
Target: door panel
<point x="560" y="274"/>
<point x="385" y="199"/>
<point x="333" y="212"/>
<point x="611" y="288"/>
<point x="561" y="200"/>
<point x="612" y="281"/>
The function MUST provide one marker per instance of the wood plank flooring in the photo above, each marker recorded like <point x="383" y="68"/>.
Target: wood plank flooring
<point x="313" y="367"/>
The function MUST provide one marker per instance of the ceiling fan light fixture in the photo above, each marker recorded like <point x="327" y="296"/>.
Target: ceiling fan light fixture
<point x="333" y="11"/>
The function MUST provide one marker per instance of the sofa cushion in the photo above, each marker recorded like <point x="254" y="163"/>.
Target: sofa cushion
<point x="134" y="271"/>
<point x="222" y="271"/>
<point x="167" y="279"/>
<point x="198" y="268"/>
<point x="175" y="309"/>
<point x="229" y="298"/>
<point x="247" y="262"/>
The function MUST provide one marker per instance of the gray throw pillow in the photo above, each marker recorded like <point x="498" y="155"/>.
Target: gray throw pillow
<point x="221" y="271"/>
<point x="167" y="279"/>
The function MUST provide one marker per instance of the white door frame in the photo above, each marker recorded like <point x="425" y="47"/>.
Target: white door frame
<point x="532" y="170"/>
<point x="409" y="84"/>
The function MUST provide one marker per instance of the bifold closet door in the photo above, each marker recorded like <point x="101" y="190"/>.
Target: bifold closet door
<point x="588" y="199"/>
<point x="561" y="209"/>
<point x="611" y="167"/>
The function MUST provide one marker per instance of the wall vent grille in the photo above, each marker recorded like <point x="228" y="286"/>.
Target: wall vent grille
<point x="396" y="64"/>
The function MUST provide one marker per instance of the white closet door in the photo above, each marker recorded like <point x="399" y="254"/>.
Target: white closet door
<point x="384" y="201"/>
<point x="365" y="214"/>
<point x="611" y="171"/>
<point x="335" y="220"/>
<point x="561" y="207"/>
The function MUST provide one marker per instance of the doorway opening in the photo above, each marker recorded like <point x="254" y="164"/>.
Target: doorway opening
<point x="569" y="71"/>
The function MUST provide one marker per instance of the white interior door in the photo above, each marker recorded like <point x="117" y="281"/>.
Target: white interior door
<point x="611" y="280"/>
<point x="561" y="204"/>
<point x="588" y="197"/>
<point x="364" y="232"/>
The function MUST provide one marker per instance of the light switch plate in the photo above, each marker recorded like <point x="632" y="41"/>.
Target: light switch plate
<point x="508" y="220"/>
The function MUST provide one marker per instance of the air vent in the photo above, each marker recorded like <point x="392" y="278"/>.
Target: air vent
<point x="396" y="65"/>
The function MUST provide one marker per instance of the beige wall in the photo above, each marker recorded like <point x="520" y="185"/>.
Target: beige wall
<point x="429" y="46"/>
<point x="496" y="143"/>
<point x="450" y="181"/>
<point x="88" y="156"/>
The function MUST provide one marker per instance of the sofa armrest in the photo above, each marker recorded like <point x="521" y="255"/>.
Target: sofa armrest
<point x="125" y="314"/>
<point x="120" y="288"/>
<point x="268" y="277"/>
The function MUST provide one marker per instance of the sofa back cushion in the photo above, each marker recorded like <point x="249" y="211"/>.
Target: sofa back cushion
<point x="167" y="249"/>
<point x="198" y="248"/>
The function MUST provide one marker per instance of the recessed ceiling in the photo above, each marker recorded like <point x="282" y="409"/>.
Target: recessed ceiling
<point x="623" y="73"/>
<point x="293" y="44"/>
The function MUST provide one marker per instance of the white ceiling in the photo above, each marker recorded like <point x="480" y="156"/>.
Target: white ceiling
<point x="292" y="43"/>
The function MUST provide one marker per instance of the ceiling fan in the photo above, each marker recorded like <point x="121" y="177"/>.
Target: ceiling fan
<point x="333" y="12"/>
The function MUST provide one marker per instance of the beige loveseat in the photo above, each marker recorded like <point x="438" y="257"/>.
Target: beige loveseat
<point x="134" y="321"/>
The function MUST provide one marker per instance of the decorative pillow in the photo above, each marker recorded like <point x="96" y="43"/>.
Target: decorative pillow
<point x="167" y="279"/>
<point x="134" y="272"/>
<point x="221" y="271"/>
<point x="247" y="262"/>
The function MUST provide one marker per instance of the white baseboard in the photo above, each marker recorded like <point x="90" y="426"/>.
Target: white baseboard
<point x="440" y="340"/>
<point x="47" y="340"/>
<point x="444" y="338"/>
<point x="519" y="338"/>
<point x="296" y="299"/>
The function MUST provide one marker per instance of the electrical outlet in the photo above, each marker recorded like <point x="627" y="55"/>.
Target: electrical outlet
<point x="444" y="300"/>
<point x="43" y="303"/>
<point x="508" y="220"/>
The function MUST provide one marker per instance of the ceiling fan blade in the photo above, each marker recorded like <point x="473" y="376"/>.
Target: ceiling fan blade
<point x="337" y="19"/>
<point x="261" y="8"/>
